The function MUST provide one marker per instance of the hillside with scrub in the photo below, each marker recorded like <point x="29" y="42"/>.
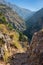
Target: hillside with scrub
<point x="10" y="39"/>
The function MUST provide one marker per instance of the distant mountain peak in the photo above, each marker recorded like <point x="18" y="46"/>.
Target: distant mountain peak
<point x="41" y="9"/>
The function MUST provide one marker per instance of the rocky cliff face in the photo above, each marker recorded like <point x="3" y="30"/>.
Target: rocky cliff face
<point x="36" y="47"/>
<point x="37" y="41"/>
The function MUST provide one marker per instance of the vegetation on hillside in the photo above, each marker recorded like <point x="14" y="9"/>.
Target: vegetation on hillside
<point x="8" y="31"/>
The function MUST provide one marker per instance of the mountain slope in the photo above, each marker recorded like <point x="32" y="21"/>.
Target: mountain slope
<point x="17" y="14"/>
<point x="12" y="17"/>
<point x="35" y="23"/>
<point x="22" y="12"/>
<point x="11" y="41"/>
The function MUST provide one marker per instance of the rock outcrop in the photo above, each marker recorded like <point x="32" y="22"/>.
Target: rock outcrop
<point x="37" y="41"/>
<point x="36" y="47"/>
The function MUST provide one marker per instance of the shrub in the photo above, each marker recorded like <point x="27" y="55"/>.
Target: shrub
<point x="4" y="20"/>
<point x="6" y="55"/>
<point x="22" y="37"/>
<point x="10" y="26"/>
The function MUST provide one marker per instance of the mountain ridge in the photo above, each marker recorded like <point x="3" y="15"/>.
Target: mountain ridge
<point x="22" y="12"/>
<point x="35" y="23"/>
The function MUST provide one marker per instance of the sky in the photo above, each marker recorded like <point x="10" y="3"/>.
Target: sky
<point x="33" y="5"/>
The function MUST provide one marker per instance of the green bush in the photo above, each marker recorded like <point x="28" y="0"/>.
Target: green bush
<point x="4" y="20"/>
<point x="22" y="37"/>
<point x="10" y="26"/>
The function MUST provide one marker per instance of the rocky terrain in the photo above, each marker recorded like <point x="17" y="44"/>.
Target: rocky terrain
<point x="34" y="54"/>
<point x="11" y="41"/>
<point x="36" y="46"/>
<point x="32" y="57"/>
<point x="15" y="47"/>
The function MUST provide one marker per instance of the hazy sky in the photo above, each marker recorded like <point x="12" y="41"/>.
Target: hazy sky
<point x="28" y="4"/>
